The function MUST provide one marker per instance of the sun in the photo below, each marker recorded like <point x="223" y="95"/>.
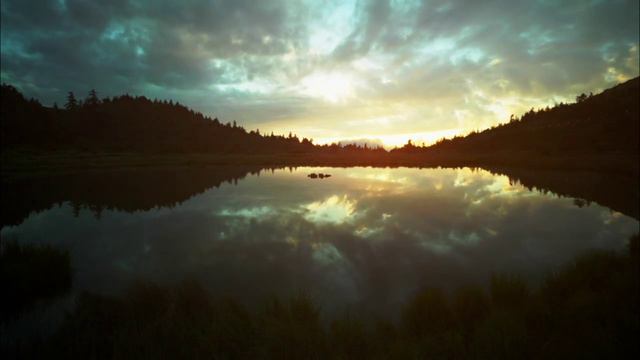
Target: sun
<point x="333" y="87"/>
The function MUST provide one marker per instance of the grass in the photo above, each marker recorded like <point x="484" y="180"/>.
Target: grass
<point x="30" y="273"/>
<point x="588" y="310"/>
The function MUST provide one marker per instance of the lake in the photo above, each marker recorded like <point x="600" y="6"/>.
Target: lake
<point x="364" y="239"/>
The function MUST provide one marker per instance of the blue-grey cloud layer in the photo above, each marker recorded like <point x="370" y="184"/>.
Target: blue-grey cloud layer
<point x="402" y="65"/>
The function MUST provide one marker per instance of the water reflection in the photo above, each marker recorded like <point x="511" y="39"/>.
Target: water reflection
<point x="127" y="189"/>
<point x="334" y="209"/>
<point x="620" y="193"/>
<point x="365" y="237"/>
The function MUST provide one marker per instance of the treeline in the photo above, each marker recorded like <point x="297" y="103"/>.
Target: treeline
<point x="586" y="310"/>
<point x="135" y="124"/>
<point x="595" y="125"/>
<point x="607" y="123"/>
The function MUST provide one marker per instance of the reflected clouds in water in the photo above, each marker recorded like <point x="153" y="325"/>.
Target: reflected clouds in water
<point x="364" y="237"/>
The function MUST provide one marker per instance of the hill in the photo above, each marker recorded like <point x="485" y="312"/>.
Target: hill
<point x="597" y="132"/>
<point x="132" y="124"/>
<point x="595" y="127"/>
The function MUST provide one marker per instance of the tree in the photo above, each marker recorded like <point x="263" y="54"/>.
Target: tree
<point x="92" y="99"/>
<point x="72" y="103"/>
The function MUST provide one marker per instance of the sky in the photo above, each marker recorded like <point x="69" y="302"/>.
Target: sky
<point x="383" y="70"/>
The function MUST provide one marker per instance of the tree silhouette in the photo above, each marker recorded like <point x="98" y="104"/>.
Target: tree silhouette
<point x="72" y="103"/>
<point x="607" y="122"/>
<point x="600" y="125"/>
<point x="92" y="99"/>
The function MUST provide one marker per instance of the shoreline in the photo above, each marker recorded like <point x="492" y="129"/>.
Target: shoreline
<point x="28" y="163"/>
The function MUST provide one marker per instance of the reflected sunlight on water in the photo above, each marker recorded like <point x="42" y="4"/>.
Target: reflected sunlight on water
<point x="365" y="236"/>
<point x="333" y="209"/>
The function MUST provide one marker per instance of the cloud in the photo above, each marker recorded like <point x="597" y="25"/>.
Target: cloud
<point x="421" y="62"/>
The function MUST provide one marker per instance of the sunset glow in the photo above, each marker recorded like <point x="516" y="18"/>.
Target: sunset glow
<point x="330" y="70"/>
<point x="331" y="87"/>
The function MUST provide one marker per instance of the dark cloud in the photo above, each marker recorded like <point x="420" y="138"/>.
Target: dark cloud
<point x="82" y="44"/>
<point x="229" y="58"/>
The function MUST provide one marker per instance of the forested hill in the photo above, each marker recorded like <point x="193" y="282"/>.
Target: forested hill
<point x="131" y="124"/>
<point x="601" y="131"/>
<point x="602" y="124"/>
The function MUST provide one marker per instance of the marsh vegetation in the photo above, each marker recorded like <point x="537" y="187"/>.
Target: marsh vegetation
<point x="587" y="309"/>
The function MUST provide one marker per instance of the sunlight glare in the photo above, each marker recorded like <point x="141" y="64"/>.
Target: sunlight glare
<point x="398" y="140"/>
<point x="333" y="87"/>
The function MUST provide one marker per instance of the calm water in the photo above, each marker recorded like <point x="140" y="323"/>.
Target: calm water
<point x="365" y="238"/>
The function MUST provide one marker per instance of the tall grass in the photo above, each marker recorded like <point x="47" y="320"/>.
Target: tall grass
<point x="30" y="273"/>
<point x="587" y="309"/>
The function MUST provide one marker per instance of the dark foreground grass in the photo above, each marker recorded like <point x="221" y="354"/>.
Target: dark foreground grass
<point x="29" y="274"/>
<point x="586" y="310"/>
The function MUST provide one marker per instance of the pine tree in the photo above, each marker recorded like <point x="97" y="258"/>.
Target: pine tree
<point x="92" y="99"/>
<point x="72" y="103"/>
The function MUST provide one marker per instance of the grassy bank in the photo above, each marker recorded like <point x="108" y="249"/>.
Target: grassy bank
<point x="587" y="310"/>
<point x="30" y="274"/>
